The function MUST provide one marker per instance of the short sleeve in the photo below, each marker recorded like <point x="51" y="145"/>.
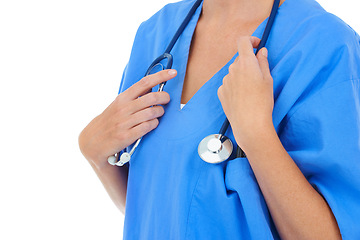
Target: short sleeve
<point x="323" y="138"/>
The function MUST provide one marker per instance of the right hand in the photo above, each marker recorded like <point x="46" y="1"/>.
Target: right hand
<point x="130" y="116"/>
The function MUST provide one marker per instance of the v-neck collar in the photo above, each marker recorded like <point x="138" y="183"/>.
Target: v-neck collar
<point x="204" y="108"/>
<point x="186" y="40"/>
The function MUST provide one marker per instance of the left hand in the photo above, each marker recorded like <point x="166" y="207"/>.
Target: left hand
<point x="247" y="93"/>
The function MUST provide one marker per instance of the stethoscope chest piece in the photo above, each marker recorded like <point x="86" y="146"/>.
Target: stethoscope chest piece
<point x="215" y="148"/>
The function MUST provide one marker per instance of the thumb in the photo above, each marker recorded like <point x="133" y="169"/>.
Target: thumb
<point x="263" y="62"/>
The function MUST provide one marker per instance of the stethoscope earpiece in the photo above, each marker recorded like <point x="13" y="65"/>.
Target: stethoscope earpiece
<point x="124" y="158"/>
<point x="214" y="148"/>
<point x="112" y="160"/>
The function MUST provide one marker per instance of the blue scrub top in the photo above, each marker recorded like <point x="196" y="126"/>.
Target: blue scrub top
<point x="315" y="62"/>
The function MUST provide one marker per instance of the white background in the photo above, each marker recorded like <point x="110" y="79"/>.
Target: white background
<point x="60" y="65"/>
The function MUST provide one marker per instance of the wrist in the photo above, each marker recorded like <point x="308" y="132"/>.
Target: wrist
<point x="88" y="153"/>
<point x="257" y="139"/>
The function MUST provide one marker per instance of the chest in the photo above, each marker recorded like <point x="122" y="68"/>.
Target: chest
<point x="211" y="49"/>
<point x="207" y="55"/>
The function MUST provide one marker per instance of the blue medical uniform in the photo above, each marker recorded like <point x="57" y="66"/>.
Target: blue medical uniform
<point x="314" y="59"/>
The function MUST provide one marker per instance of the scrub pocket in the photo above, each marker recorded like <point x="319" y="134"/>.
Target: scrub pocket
<point x="227" y="204"/>
<point x="240" y="180"/>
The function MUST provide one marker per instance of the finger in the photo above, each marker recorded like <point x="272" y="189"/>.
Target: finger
<point x="146" y="115"/>
<point x="143" y="128"/>
<point x="147" y="83"/>
<point x="263" y="62"/>
<point x="246" y="45"/>
<point x="150" y="99"/>
<point x="255" y="41"/>
<point x="220" y="92"/>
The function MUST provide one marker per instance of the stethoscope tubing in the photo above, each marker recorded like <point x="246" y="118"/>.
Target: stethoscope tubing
<point x="183" y="26"/>
<point x="123" y="157"/>
<point x="264" y="38"/>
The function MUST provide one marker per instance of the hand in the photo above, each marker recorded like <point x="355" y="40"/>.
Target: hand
<point x="130" y="116"/>
<point x="247" y="93"/>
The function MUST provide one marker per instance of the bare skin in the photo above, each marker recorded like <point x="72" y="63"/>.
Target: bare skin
<point x="224" y="23"/>
<point x="299" y="212"/>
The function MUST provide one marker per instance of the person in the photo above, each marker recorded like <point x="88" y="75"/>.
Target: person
<point x="294" y="108"/>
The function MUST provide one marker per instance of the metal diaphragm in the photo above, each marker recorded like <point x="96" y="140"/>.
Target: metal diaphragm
<point x="215" y="148"/>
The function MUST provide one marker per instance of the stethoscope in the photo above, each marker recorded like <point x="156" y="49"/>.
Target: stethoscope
<point x="214" y="148"/>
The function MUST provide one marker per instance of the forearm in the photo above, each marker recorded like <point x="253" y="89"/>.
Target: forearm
<point x="130" y="116"/>
<point x="114" y="179"/>
<point x="298" y="210"/>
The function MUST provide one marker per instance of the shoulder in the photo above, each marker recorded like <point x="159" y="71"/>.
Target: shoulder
<point x="310" y="50"/>
<point x="170" y="12"/>
<point x="314" y="43"/>
<point x="327" y="29"/>
<point x="152" y="38"/>
<point x="167" y="19"/>
<point x="305" y="24"/>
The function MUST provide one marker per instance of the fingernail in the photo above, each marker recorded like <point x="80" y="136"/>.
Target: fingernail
<point x="172" y="72"/>
<point x="264" y="52"/>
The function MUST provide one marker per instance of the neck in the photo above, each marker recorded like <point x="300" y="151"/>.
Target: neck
<point x="237" y="10"/>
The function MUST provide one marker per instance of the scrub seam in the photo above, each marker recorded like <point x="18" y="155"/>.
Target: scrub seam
<point x="315" y="95"/>
<point x="191" y="201"/>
